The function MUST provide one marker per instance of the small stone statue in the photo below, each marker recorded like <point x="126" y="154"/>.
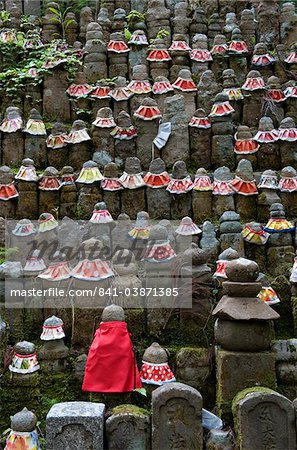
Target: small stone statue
<point x="155" y="369"/>
<point x="111" y="365"/>
<point x="23" y="433"/>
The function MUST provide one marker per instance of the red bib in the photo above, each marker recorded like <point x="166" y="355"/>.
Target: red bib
<point x="111" y="365"/>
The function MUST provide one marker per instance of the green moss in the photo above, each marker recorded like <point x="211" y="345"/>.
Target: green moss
<point x="130" y="409"/>
<point x="193" y="353"/>
<point x="284" y="326"/>
<point x="242" y="394"/>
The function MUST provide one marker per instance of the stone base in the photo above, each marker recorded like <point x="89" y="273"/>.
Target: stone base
<point x="240" y="370"/>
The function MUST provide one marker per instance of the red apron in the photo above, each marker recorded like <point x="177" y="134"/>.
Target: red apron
<point x="111" y="365"/>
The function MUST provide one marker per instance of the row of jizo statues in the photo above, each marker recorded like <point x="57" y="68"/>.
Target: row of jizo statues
<point x="164" y="195"/>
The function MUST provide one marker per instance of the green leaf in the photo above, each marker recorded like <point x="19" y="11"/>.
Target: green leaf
<point x="141" y="391"/>
<point x="54" y="11"/>
<point x="69" y="22"/>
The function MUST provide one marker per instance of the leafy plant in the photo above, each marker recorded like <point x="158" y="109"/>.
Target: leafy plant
<point x="162" y="34"/>
<point x="133" y="18"/>
<point x="5" y="17"/>
<point x="60" y="17"/>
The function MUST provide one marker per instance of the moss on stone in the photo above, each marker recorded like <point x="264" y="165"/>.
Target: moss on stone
<point x="193" y="354"/>
<point x="284" y="326"/>
<point x="130" y="409"/>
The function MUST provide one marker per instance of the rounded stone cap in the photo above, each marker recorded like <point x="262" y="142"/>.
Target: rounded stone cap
<point x="273" y="82"/>
<point x="236" y="35"/>
<point x="287" y="122"/>
<point x="200" y="113"/>
<point x="155" y="354"/>
<point x="219" y="39"/>
<point x="288" y="172"/>
<point x="27" y="162"/>
<point x="147" y="101"/>
<point x="100" y="206"/>
<point x="229" y="73"/>
<point x="221" y="97"/>
<point x="207" y="78"/>
<point x="260" y="49"/>
<point x="124" y="119"/>
<point x="23" y="421"/>
<point x="201" y="171"/>
<point x="123" y="256"/>
<point x="58" y="128"/>
<point x="254" y="74"/>
<point x="132" y="165"/>
<point x="123" y="219"/>
<point x="158" y="233"/>
<point x="266" y="124"/>
<point x="229" y="254"/>
<point x="222" y="174"/>
<point x="53" y="321"/>
<point x="230" y="216"/>
<point x="179" y="170"/>
<point x="242" y="270"/>
<point x="119" y="13"/>
<point x="161" y="78"/>
<point x="142" y="217"/>
<point x="34" y="114"/>
<point x="90" y="164"/>
<point x="104" y="113"/>
<point x="200" y="41"/>
<point x="255" y="226"/>
<point x="24" y="348"/>
<point x="67" y="170"/>
<point x="5" y="170"/>
<point x="269" y="173"/>
<point x="276" y="207"/>
<point x="50" y="172"/>
<point x="185" y="74"/>
<point x="244" y="133"/>
<point x="110" y="170"/>
<point x="247" y="14"/>
<point x="117" y="36"/>
<point x="12" y="112"/>
<point x="78" y="125"/>
<point x="121" y="82"/>
<point x="157" y="166"/>
<point x="244" y="170"/>
<point x="113" y="313"/>
<point x="91" y="245"/>
<point x="25" y="222"/>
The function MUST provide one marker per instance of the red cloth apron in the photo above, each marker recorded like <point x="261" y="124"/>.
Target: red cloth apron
<point x="111" y="365"/>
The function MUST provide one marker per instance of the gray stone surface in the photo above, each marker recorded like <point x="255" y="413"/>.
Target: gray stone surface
<point x="265" y="420"/>
<point x="176" y="417"/>
<point x="128" y="430"/>
<point x="75" y="426"/>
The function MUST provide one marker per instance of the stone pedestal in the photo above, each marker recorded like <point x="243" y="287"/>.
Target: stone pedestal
<point x="274" y="415"/>
<point x="234" y="374"/>
<point x="27" y="204"/>
<point x="133" y="201"/>
<point x="180" y="402"/>
<point x="79" y="422"/>
<point x="56" y="104"/>
<point x="202" y="205"/>
<point x="128" y="427"/>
